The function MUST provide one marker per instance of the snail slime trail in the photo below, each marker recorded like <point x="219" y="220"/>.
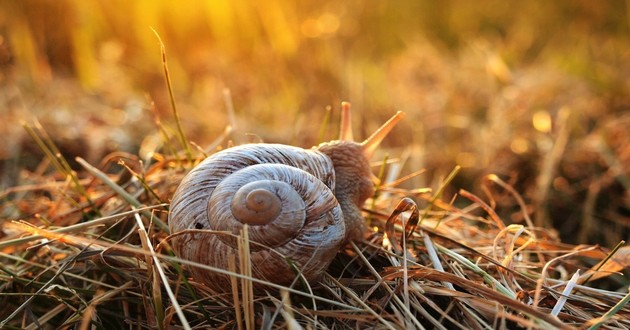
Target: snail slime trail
<point x="302" y="207"/>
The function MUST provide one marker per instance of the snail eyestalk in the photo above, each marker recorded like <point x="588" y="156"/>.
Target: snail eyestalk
<point x="370" y="144"/>
<point x="345" y="131"/>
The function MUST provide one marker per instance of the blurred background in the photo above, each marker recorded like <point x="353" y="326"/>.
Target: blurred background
<point x="536" y="92"/>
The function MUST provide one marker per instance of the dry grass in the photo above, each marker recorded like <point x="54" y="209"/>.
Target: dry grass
<point x="531" y="99"/>
<point x="93" y="251"/>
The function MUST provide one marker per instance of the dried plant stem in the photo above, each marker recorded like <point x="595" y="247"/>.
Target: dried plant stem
<point x="247" y="288"/>
<point x="157" y="266"/>
<point x="475" y="268"/>
<point x="180" y="131"/>
<point x="439" y="193"/>
<point x="229" y="106"/>
<point x="235" y="296"/>
<point x="521" y="203"/>
<point x="565" y="294"/>
<point x="323" y="128"/>
<point x="548" y="170"/>
<point x="602" y="263"/>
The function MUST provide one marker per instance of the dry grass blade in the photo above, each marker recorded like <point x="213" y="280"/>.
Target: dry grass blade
<point x="406" y="204"/>
<point x="321" y="136"/>
<point x="155" y="264"/>
<point x="517" y="196"/>
<point x="180" y="131"/>
<point x="549" y="167"/>
<point x="247" y="288"/>
<point x="565" y="294"/>
<point x="617" y="260"/>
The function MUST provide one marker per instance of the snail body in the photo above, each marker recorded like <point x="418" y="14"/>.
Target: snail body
<point x="300" y="205"/>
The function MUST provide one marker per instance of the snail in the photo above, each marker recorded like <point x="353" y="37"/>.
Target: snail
<point x="300" y="205"/>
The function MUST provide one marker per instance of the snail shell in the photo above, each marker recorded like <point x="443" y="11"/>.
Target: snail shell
<point x="300" y="205"/>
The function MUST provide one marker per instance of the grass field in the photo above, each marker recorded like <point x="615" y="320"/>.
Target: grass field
<point x="531" y="99"/>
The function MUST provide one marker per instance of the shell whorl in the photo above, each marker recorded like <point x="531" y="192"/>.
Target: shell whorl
<point x="302" y="197"/>
<point x="260" y="202"/>
<point x="190" y="201"/>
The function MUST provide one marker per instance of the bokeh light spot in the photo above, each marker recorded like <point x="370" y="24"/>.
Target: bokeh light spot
<point x="519" y="146"/>
<point x="542" y="121"/>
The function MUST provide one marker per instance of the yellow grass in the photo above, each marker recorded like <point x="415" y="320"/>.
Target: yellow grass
<point x="528" y="99"/>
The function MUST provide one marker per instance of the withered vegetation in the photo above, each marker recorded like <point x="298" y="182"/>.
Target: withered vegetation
<point x="92" y="249"/>
<point x="531" y="99"/>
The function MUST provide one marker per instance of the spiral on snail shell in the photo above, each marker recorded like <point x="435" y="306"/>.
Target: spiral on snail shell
<point x="300" y="205"/>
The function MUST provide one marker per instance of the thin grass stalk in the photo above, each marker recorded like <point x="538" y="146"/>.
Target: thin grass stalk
<point x="235" y="297"/>
<point x="302" y="280"/>
<point x="565" y="294"/>
<point x="100" y="297"/>
<point x="521" y="203"/>
<point x="491" y="212"/>
<point x="287" y="312"/>
<point x="405" y="267"/>
<point x="211" y="148"/>
<point x="180" y="131"/>
<point x="435" y="260"/>
<point x="169" y="258"/>
<point x="372" y="270"/>
<point x="166" y="138"/>
<point x="439" y="193"/>
<point x="229" y="107"/>
<point x="443" y="313"/>
<point x="46" y="317"/>
<point x="603" y="262"/>
<point x="247" y="288"/>
<point x="88" y="317"/>
<point x="549" y="167"/>
<point x="156" y="263"/>
<point x="543" y="273"/>
<point x="323" y="128"/>
<point x="156" y="297"/>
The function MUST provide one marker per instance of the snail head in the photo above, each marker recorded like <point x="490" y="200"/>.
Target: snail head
<point x="352" y="168"/>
